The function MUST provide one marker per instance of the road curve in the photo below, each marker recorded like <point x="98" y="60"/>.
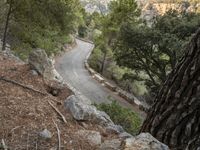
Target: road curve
<point x="71" y="67"/>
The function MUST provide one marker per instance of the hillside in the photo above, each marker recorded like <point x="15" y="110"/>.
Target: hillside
<point x="114" y="80"/>
<point x="153" y="8"/>
<point x="24" y="112"/>
<point x="37" y="113"/>
<point x="96" y="5"/>
<point x="148" y="7"/>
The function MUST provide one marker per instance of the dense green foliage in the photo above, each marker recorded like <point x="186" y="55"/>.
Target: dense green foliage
<point x="141" y="55"/>
<point x="102" y="58"/>
<point x="137" y="57"/>
<point x="155" y="50"/>
<point x="44" y="24"/>
<point x="125" y="117"/>
<point x="91" y="24"/>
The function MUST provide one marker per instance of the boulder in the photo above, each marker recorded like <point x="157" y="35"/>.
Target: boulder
<point x="93" y="137"/>
<point x="144" y="141"/>
<point x="9" y="54"/>
<point x="114" y="129"/>
<point x="101" y="117"/>
<point x="83" y="111"/>
<point x="39" y="61"/>
<point x="79" y="99"/>
<point x="114" y="144"/>
<point x="125" y="135"/>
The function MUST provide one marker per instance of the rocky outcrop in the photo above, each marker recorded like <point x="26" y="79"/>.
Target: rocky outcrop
<point x="8" y="53"/>
<point x="114" y="129"/>
<point x="39" y="61"/>
<point x="100" y="6"/>
<point x="152" y="8"/>
<point x="125" y="135"/>
<point x="83" y="111"/>
<point x="114" y="144"/>
<point x="93" y="137"/>
<point x="144" y="141"/>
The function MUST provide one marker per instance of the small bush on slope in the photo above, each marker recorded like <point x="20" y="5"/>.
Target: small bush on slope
<point x="125" y="117"/>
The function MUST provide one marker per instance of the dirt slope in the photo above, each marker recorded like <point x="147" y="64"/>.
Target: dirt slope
<point x="24" y="112"/>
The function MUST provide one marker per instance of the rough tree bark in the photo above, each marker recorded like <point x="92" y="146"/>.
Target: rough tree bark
<point x="175" y="117"/>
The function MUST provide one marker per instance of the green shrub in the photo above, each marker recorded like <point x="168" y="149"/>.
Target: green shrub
<point x="125" y="117"/>
<point x="95" y="59"/>
<point x="22" y="51"/>
<point x="64" y="39"/>
<point x="49" y="40"/>
<point x="82" y="31"/>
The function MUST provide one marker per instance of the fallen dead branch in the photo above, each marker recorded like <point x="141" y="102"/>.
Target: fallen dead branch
<point x="52" y="99"/>
<point x="58" y="132"/>
<point x="58" y="102"/>
<point x="61" y="115"/>
<point x="27" y="142"/>
<point x="15" y="128"/>
<point x="21" y="85"/>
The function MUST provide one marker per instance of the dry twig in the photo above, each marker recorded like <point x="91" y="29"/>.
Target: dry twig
<point x="62" y="116"/>
<point x="52" y="99"/>
<point x="21" y="85"/>
<point x="15" y="128"/>
<point x="58" y="132"/>
<point x="27" y="143"/>
<point x="36" y="144"/>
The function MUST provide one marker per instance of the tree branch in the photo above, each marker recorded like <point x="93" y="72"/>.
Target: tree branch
<point x="22" y="85"/>
<point x="63" y="118"/>
<point x="59" y="138"/>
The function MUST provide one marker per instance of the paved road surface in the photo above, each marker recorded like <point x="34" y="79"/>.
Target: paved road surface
<point x="71" y="67"/>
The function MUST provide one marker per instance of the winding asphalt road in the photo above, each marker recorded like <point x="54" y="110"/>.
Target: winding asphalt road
<point x="71" y="67"/>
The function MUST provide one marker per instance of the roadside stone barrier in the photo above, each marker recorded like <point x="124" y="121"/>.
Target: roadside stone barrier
<point x="110" y="86"/>
<point x="122" y="93"/>
<point x="91" y="71"/>
<point x="99" y="78"/>
<point x="129" y="97"/>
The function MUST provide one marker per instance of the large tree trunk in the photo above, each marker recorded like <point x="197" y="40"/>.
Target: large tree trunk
<point x="6" y="26"/>
<point x="175" y="117"/>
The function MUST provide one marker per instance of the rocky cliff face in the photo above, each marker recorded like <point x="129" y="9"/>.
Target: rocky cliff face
<point x="152" y="8"/>
<point x="91" y="6"/>
<point x="149" y="8"/>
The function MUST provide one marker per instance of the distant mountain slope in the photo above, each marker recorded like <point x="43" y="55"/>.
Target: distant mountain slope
<point x="149" y="8"/>
<point x="153" y="8"/>
<point x="100" y="6"/>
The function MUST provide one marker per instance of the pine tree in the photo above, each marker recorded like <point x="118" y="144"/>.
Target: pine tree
<point x="174" y="118"/>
